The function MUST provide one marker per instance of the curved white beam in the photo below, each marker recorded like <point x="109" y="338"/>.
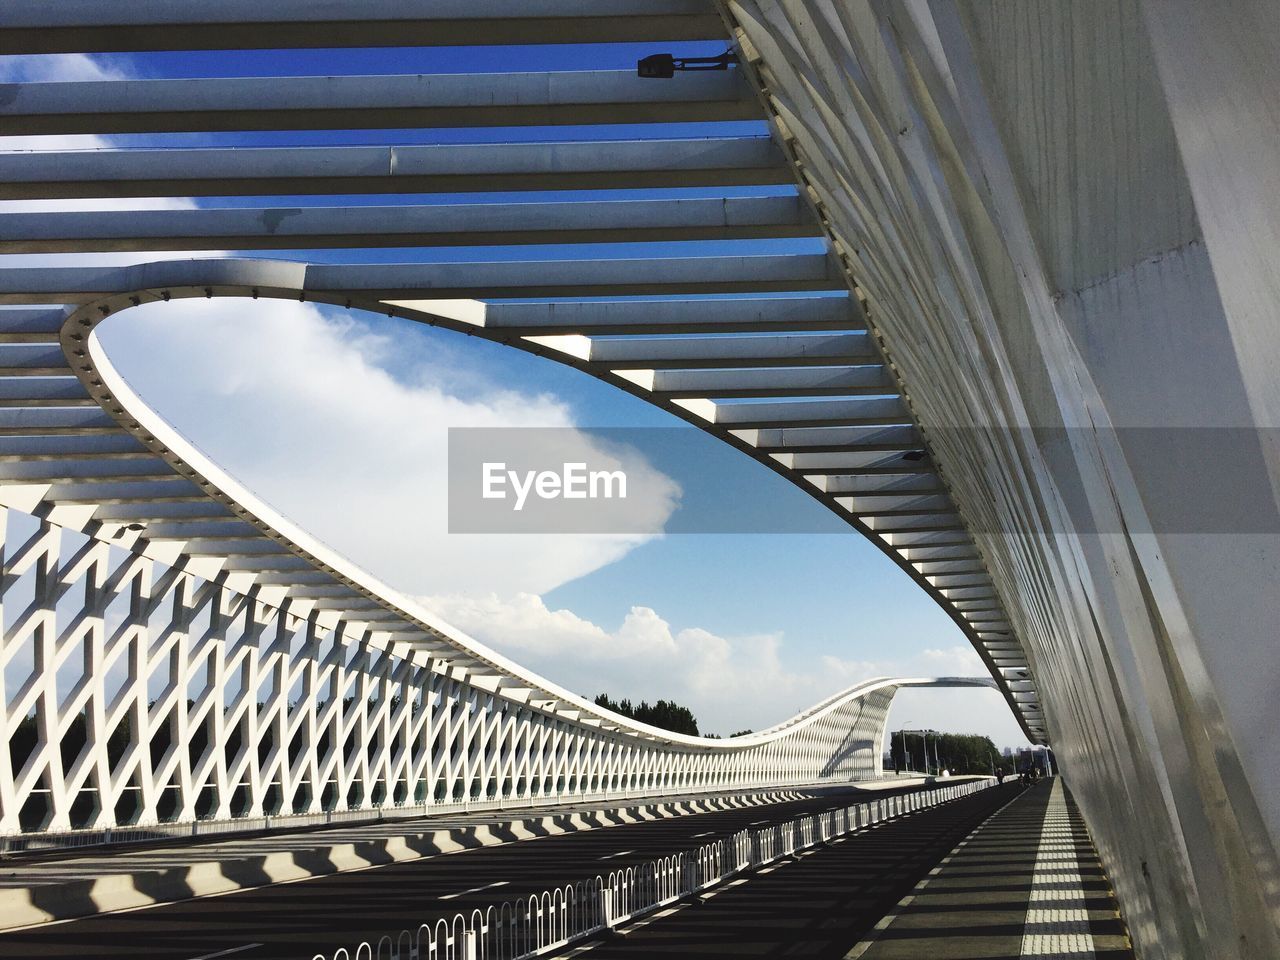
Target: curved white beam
<point x="297" y="550"/>
<point x="911" y="531"/>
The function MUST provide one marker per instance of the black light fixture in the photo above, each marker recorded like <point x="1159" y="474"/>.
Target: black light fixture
<point x="914" y="455"/>
<point x="663" y="66"/>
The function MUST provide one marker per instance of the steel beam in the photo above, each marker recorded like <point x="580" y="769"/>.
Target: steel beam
<point x="435" y="225"/>
<point x="430" y="168"/>
<point x="401" y="281"/>
<point x="685" y="316"/>
<point x="55" y="421"/>
<point x="75" y="26"/>
<point x="29" y="326"/>
<point x="772" y="382"/>
<point x="43" y="391"/>
<point x="802" y="413"/>
<point x="732" y="351"/>
<point x="371" y="102"/>
<point x="840" y="449"/>
<point x="118" y="446"/>
<point x="855" y="485"/>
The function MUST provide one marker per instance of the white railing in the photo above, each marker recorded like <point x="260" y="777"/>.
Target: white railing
<point x="537" y="924"/>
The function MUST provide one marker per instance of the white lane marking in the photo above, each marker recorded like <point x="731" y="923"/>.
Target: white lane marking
<point x="463" y="893"/>
<point x="224" y="953"/>
<point x="622" y="853"/>
<point x="705" y="833"/>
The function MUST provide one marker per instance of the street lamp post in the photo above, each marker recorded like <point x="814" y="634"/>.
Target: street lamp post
<point x="906" y="760"/>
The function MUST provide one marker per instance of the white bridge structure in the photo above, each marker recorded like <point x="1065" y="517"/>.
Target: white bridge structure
<point x="994" y="282"/>
<point x="170" y="688"/>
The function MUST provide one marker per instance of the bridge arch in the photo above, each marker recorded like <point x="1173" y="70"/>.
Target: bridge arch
<point x="942" y="560"/>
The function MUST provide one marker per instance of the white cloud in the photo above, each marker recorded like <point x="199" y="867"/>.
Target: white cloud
<point x="54" y="68"/>
<point x="730" y="683"/>
<point x="302" y="410"/>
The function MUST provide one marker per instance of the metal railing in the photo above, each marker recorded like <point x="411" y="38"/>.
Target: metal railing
<point x="546" y="921"/>
<point x="50" y="841"/>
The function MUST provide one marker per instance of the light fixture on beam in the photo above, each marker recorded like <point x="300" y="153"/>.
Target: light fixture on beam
<point x="663" y="66"/>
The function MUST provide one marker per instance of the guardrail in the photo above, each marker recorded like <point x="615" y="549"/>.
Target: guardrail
<point x="534" y="925"/>
<point x="52" y="841"/>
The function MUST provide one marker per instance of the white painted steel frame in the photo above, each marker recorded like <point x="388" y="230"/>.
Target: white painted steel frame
<point x="193" y="656"/>
<point x="81" y="453"/>
<point x="1054" y="215"/>
<point x="158" y="692"/>
<point x="690" y="382"/>
<point x="878" y="491"/>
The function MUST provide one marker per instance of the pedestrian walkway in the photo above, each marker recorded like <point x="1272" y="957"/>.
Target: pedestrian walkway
<point x="1026" y="883"/>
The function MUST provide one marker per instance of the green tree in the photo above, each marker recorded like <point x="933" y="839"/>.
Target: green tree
<point x="666" y="714"/>
<point x="960" y="753"/>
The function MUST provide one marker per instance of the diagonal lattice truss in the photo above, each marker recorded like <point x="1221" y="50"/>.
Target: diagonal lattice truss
<point x="147" y="694"/>
<point x="735" y="313"/>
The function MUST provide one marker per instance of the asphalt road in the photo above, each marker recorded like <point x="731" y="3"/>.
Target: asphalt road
<point x="297" y="920"/>
<point x="821" y="905"/>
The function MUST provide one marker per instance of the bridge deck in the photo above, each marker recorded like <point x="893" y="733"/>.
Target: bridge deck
<point x="290" y="921"/>
<point x="62" y="885"/>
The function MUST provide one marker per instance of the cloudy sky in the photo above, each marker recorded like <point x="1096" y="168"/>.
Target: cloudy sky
<point x="339" y="420"/>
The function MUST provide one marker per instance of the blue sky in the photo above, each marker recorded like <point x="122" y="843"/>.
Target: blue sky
<point x="745" y="628"/>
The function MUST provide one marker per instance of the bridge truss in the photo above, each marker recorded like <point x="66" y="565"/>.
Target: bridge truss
<point x="157" y="693"/>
